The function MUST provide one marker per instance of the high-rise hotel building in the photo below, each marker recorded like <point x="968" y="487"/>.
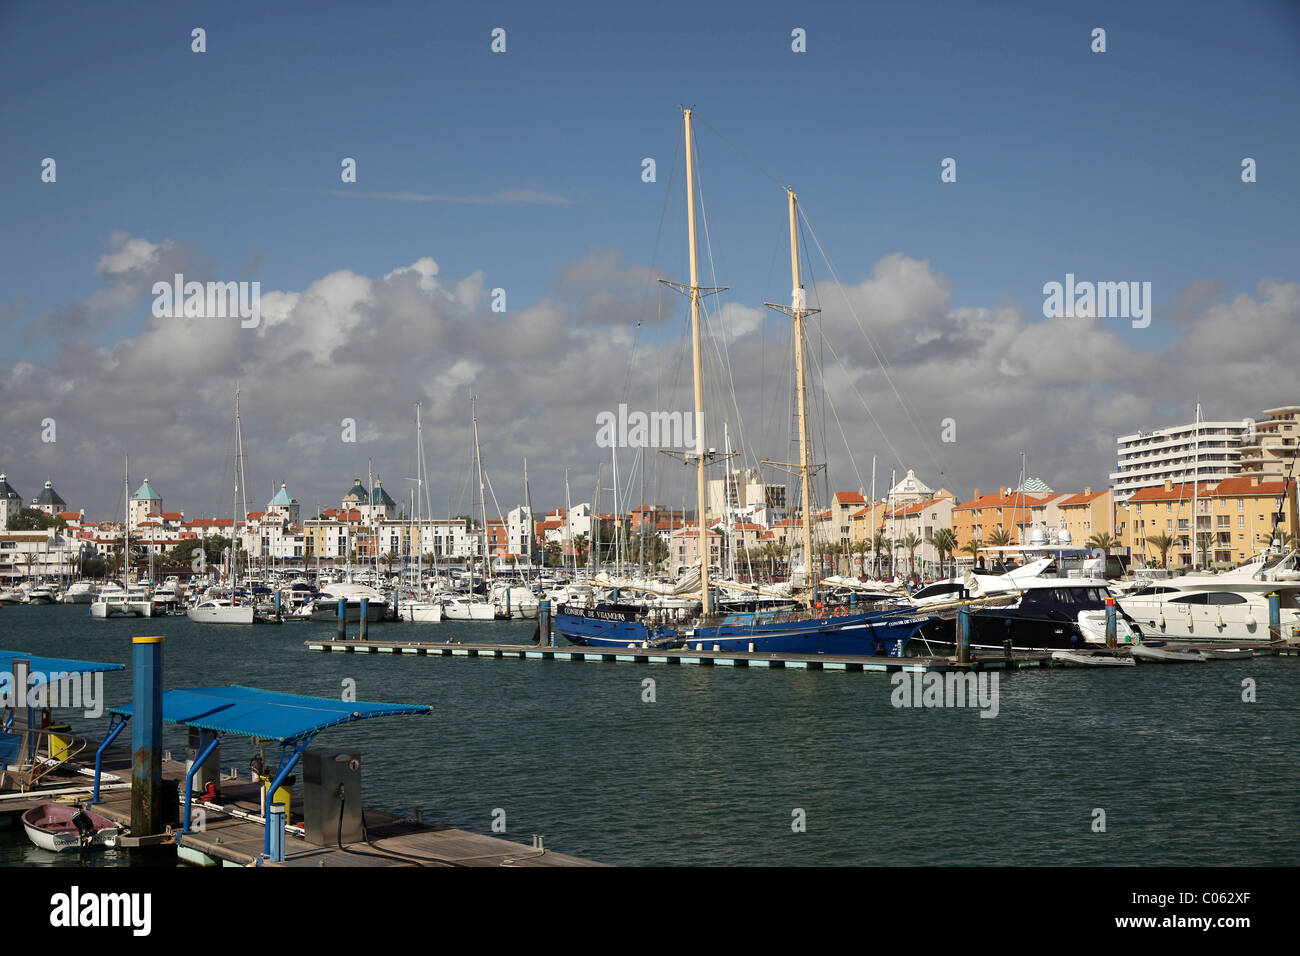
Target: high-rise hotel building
<point x="1201" y="451"/>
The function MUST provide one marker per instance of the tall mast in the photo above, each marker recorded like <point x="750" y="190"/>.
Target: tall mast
<point x="798" y="310"/>
<point x="419" y="503"/>
<point x="239" y="490"/>
<point x="531" y="528"/>
<point x="697" y="365"/>
<point x="695" y="291"/>
<point x="126" y="525"/>
<point x="1196" y="474"/>
<point x="568" y="524"/>
<point x="482" y="494"/>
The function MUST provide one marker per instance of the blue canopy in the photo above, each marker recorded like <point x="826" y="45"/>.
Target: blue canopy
<point x="251" y="712"/>
<point x="42" y="667"/>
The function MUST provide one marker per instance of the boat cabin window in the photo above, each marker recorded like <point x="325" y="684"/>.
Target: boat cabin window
<point x="937" y="590"/>
<point x="1191" y="599"/>
<point x="1225" y="597"/>
<point x="1154" y="589"/>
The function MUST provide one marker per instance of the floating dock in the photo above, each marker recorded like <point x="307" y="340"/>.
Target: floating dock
<point x="682" y="655"/>
<point x="233" y="833"/>
<point x="1018" y="660"/>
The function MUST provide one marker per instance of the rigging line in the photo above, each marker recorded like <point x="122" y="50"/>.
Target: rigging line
<point x="853" y="385"/>
<point x="880" y="361"/>
<point x="840" y="425"/>
<point x="724" y="362"/>
<point x="654" y="263"/>
<point x="740" y="152"/>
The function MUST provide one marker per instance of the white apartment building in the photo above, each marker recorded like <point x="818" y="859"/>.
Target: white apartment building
<point x="1270" y="455"/>
<point x="1204" y="452"/>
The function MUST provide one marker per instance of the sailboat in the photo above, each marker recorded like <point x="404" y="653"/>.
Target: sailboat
<point x="219" y="610"/>
<point x="133" y="600"/>
<point x="420" y="609"/>
<point x="810" y="628"/>
<point x="470" y="607"/>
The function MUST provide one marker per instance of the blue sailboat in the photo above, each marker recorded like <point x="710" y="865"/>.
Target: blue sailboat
<point x="808" y="629"/>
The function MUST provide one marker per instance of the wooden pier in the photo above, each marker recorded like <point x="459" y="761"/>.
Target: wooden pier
<point x="233" y="833"/>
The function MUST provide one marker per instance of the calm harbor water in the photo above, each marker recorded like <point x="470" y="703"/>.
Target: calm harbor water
<point x="712" y="771"/>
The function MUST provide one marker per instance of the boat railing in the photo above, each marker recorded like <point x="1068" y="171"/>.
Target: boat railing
<point x="32" y="768"/>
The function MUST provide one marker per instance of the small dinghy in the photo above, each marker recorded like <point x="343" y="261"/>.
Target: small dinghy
<point x="1166" y="655"/>
<point x="1226" y="653"/>
<point x="1096" y="659"/>
<point x="58" y="828"/>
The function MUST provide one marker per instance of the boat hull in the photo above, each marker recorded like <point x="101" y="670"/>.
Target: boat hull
<point x="468" y="611"/>
<point x="239" y="614"/>
<point x="990" y="628"/>
<point x="869" y="635"/>
<point x="422" y="613"/>
<point x="608" y="627"/>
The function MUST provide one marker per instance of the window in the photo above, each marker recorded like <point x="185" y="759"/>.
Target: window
<point x="1241" y="521"/>
<point x="1225" y="597"/>
<point x="1241" y="504"/>
<point x="1191" y="599"/>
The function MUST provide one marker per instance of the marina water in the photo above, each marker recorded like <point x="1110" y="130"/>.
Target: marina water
<point x="714" y="769"/>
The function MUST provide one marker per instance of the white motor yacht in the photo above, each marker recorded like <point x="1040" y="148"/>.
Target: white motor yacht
<point x="1227" y="608"/>
<point x="221" y="611"/>
<point x="80" y="592"/>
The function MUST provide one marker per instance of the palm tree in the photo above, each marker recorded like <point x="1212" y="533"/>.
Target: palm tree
<point x="911" y="542"/>
<point x="1103" y="542"/>
<point x="1204" y="545"/>
<point x="1162" y="543"/>
<point x="860" y="548"/>
<point x="1000" y="538"/>
<point x="879" y="543"/>
<point x="973" y="548"/>
<point x="945" y="542"/>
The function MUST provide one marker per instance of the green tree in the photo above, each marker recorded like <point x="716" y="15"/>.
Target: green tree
<point x="945" y="542"/>
<point x="1162" y="543"/>
<point x="1103" y="541"/>
<point x="880" y="542"/>
<point x="911" y="541"/>
<point x="33" y="519"/>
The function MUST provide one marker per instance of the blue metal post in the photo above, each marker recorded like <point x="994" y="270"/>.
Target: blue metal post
<point x="275" y="830"/>
<point x="544" y="622"/>
<point x="277" y="603"/>
<point x="1112" y="633"/>
<point x="343" y="619"/>
<point x="1274" y="617"/>
<point x="146" y="736"/>
<point x="963" y="634"/>
<point x="202" y="755"/>
<point x="365" y="617"/>
<point x="99" y="756"/>
<point x="270" y="792"/>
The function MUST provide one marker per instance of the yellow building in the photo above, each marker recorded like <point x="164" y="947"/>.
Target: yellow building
<point x="1234" y="521"/>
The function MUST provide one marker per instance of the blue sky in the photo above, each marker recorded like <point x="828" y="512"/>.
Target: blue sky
<point x="1122" y="165"/>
